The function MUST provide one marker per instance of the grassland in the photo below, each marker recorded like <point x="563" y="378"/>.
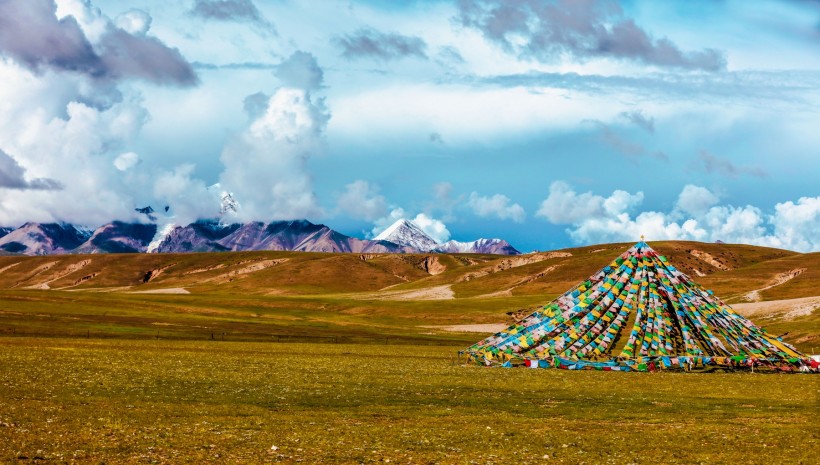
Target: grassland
<point x="264" y="296"/>
<point x="127" y="401"/>
<point x="341" y="358"/>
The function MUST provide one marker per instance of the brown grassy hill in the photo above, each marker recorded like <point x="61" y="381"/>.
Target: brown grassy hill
<point x="258" y="295"/>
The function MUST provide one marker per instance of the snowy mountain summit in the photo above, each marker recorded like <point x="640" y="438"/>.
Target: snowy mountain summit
<point x="491" y="246"/>
<point x="406" y="233"/>
<point x="228" y="204"/>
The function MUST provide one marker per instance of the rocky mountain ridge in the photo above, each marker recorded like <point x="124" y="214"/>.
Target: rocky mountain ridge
<point x="215" y="236"/>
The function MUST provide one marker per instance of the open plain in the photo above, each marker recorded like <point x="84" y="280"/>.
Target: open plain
<point x="300" y="357"/>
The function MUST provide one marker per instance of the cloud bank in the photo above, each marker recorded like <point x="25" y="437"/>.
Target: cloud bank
<point x="32" y="35"/>
<point x="547" y="31"/>
<point x="370" y="43"/>
<point x="696" y="216"/>
<point x="496" y="206"/>
<point x="13" y="176"/>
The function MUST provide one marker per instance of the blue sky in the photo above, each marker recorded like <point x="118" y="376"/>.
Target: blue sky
<point x="547" y="123"/>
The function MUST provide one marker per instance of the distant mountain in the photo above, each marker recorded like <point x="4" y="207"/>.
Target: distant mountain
<point x="407" y="234"/>
<point x="119" y="237"/>
<point x="216" y="236"/>
<point x="279" y="235"/>
<point x="43" y="239"/>
<point x="488" y="246"/>
<point x="297" y="235"/>
<point x="4" y="231"/>
<point x="328" y="240"/>
<point x="201" y="236"/>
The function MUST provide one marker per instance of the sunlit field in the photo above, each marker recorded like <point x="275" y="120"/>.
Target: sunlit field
<point x="341" y="358"/>
<point x="149" y="401"/>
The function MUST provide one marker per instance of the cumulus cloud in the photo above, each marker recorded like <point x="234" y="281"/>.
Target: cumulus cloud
<point x="496" y="206"/>
<point x="13" y="176"/>
<point x="126" y="161"/>
<point x="256" y="104"/>
<point x="187" y="196"/>
<point x="564" y="206"/>
<point x="716" y="165"/>
<point x="432" y="227"/>
<point x="134" y="21"/>
<point x="696" y="200"/>
<point x="361" y="200"/>
<point x="796" y="225"/>
<point x="53" y="135"/>
<point x="243" y="11"/>
<point x="32" y="35"/>
<point x="266" y="166"/>
<point x="596" y="219"/>
<point x="547" y="31"/>
<point x="300" y="70"/>
<point x="370" y="43"/>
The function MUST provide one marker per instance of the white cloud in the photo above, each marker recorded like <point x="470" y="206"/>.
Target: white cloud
<point x="797" y="225"/>
<point x="361" y="200"/>
<point x="134" y="21"/>
<point x="696" y="200"/>
<point x="564" y="206"/>
<point x="126" y="161"/>
<point x="266" y="167"/>
<point x="596" y="219"/>
<point x="498" y="206"/>
<point x="55" y="136"/>
<point x="187" y="196"/>
<point x="433" y="227"/>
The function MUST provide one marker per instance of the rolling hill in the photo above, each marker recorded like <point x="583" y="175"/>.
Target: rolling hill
<point x="254" y="295"/>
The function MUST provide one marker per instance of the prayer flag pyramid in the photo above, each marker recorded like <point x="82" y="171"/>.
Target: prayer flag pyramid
<point x="638" y="313"/>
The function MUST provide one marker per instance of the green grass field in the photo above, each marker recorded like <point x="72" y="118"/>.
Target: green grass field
<point x="126" y="401"/>
<point x="317" y="355"/>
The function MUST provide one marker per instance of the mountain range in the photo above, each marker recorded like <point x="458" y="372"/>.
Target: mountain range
<point x="215" y="236"/>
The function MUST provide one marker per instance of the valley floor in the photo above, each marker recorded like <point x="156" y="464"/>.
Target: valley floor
<point x="154" y="401"/>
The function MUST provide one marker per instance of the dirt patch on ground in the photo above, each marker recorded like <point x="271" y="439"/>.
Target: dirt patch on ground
<point x="170" y="290"/>
<point x="432" y="265"/>
<point x="152" y="275"/>
<point x="70" y="269"/>
<point x="428" y="293"/>
<point x="253" y="268"/>
<point x="203" y="270"/>
<point x="83" y="279"/>
<point x="9" y="267"/>
<point x="782" y="278"/>
<point x="37" y="271"/>
<point x="514" y="262"/>
<point x="708" y="258"/>
<point x="788" y="309"/>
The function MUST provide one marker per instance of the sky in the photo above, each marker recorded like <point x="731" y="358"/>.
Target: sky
<point x="549" y="123"/>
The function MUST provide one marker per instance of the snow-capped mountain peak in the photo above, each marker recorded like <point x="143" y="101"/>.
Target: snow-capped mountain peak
<point x="228" y="204"/>
<point x="406" y="233"/>
<point x="491" y="246"/>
